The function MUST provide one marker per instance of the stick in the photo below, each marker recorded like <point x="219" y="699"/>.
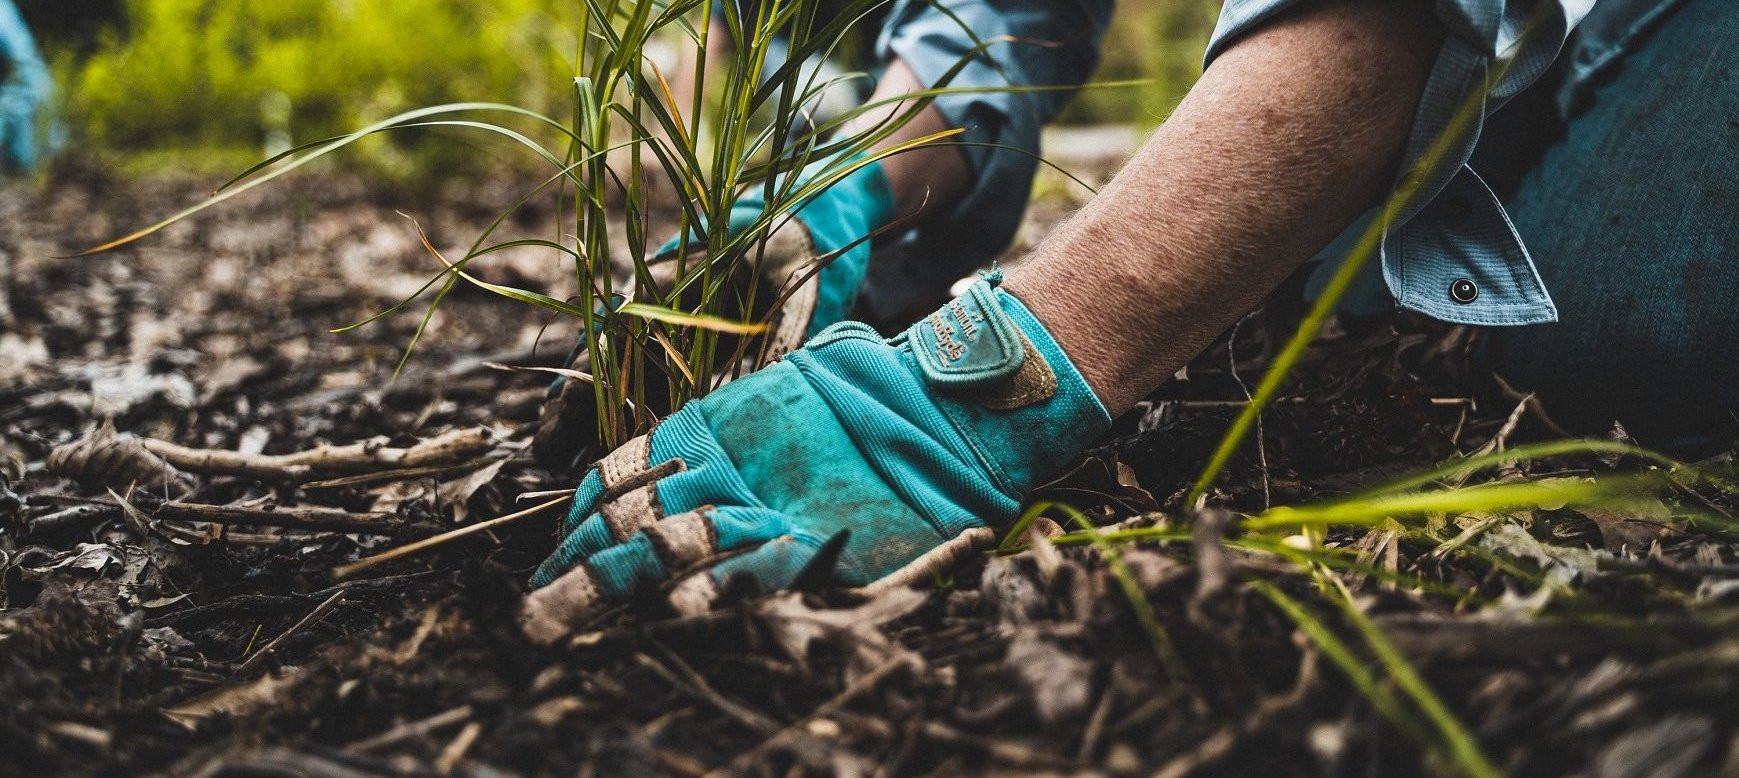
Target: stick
<point x="870" y="680"/>
<point x="313" y="616"/>
<point x="287" y="518"/>
<point x="345" y="571"/>
<point x="406" y="731"/>
<point x="455" y="751"/>
<point x="304" y="465"/>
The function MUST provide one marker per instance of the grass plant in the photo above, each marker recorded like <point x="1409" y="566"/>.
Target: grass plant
<point x="675" y="339"/>
<point x="742" y="127"/>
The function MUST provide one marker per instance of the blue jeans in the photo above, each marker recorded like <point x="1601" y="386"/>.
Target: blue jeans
<point x="1632" y="217"/>
<point x="1623" y="181"/>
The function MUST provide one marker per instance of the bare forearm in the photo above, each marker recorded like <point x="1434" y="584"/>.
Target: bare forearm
<point x="927" y="179"/>
<point x="1289" y="136"/>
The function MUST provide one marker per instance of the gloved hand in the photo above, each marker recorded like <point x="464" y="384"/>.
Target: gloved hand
<point x="894" y="446"/>
<point x="834" y="224"/>
<point x="22" y="94"/>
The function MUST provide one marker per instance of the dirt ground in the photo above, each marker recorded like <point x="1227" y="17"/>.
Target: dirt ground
<point x="144" y="633"/>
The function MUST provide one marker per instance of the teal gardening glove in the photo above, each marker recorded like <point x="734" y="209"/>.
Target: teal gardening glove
<point x="23" y="91"/>
<point x="834" y="224"/>
<point x="897" y="445"/>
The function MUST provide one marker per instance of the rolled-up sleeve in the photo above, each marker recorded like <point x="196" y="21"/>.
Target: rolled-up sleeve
<point x="1453" y="254"/>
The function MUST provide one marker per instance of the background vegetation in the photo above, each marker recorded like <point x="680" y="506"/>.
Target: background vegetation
<point x="211" y="84"/>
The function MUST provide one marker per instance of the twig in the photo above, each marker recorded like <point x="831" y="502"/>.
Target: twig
<point x="345" y="571"/>
<point x="313" y="616"/>
<point x="258" y="604"/>
<point x="287" y="518"/>
<point x="409" y="730"/>
<point x="1096" y="724"/>
<point x="863" y="684"/>
<point x="1466" y="536"/>
<point x="1010" y="753"/>
<point x="1533" y="405"/>
<point x="1233" y="405"/>
<point x="1261" y="432"/>
<point x="691" y="682"/>
<point x="400" y="474"/>
<point x="812" y="750"/>
<point x="455" y="751"/>
<point x="324" y="460"/>
<point x="1216" y="746"/>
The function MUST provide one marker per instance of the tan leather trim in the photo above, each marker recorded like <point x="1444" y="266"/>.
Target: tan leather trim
<point x="1034" y="383"/>
<point x="626" y="462"/>
<point x="633" y="511"/>
<point x="684" y="539"/>
<point x="694" y="595"/>
<point x="551" y="613"/>
<point x="790" y="256"/>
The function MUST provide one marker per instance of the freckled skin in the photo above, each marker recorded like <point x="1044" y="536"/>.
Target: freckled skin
<point x="1289" y="135"/>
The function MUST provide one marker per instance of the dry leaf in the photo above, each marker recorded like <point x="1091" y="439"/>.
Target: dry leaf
<point x="266" y="692"/>
<point x="116" y="460"/>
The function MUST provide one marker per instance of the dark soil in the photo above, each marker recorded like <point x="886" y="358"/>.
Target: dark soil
<point x="135" y="640"/>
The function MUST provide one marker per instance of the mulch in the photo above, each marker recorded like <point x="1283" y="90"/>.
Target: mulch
<point x="161" y="614"/>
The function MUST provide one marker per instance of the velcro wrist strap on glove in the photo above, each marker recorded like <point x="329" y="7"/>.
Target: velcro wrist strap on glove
<point x="981" y="375"/>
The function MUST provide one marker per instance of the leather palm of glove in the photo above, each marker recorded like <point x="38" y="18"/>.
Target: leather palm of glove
<point x="893" y="446"/>
<point x="832" y="225"/>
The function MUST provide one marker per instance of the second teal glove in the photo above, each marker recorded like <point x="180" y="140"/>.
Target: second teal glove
<point x="897" y="445"/>
<point x="832" y="226"/>
<point x="23" y="92"/>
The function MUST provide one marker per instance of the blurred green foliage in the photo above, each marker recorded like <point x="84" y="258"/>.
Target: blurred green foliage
<point x="211" y="84"/>
<point x="229" y="78"/>
<point x="1160" y="41"/>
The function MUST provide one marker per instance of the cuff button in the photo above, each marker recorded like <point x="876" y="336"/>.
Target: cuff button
<point x="1463" y="291"/>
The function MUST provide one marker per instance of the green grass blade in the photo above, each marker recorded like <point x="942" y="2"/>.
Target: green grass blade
<point x="1350" y="665"/>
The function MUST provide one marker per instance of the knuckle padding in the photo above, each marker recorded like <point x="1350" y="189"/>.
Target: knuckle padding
<point x="685" y="538"/>
<point x="632" y="511"/>
<point x="627" y="461"/>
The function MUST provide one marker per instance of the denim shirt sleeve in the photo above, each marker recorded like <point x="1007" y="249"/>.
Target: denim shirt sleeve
<point x="1454" y="254"/>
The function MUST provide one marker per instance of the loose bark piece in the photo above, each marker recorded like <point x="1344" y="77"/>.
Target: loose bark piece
<point x="117" y="460"/>
<point x="267" y="691"/>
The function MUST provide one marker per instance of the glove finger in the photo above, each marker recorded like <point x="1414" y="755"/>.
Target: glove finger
<point x="590" y="537"/>
<point x="615" y="522"/>
<point x="652" y="554"/>
<point x="619" y="472"/>
<point x="679" y="541"/>
<point x="771" y="567"/>
<point x="585" y="501"/>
